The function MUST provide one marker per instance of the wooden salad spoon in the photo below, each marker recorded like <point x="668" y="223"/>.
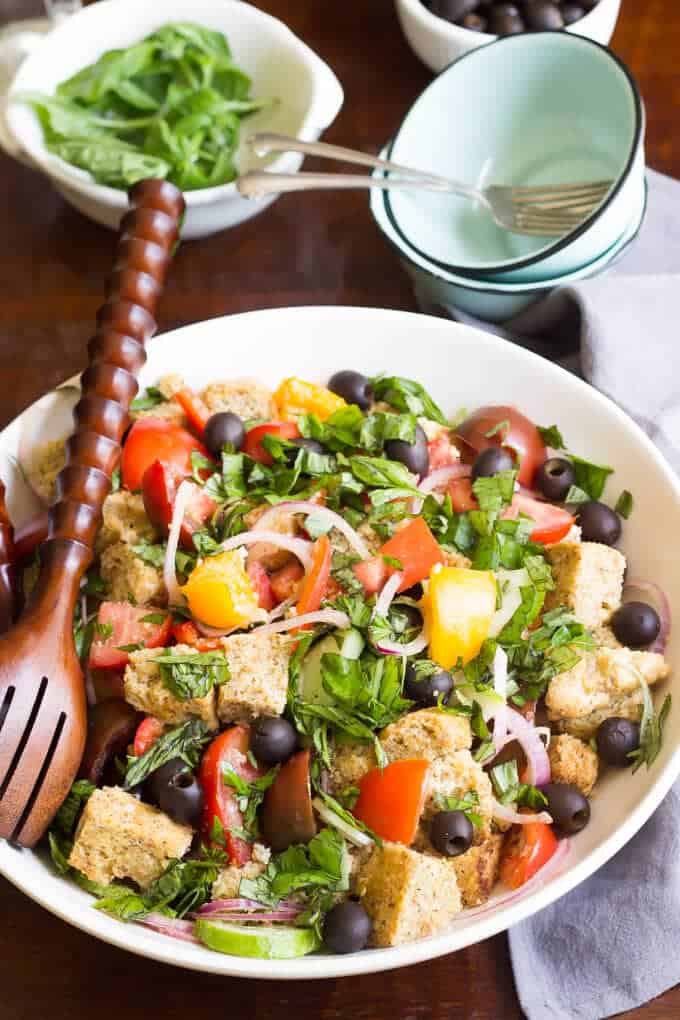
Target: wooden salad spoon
<point x="43" y="717"/>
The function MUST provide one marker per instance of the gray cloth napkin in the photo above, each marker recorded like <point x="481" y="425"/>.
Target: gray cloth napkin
<point x="612" y="944"/>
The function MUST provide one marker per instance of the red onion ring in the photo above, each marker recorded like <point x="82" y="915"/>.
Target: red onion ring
<point x="332" y="617"/>
<point x="526" y="734"/>
<point x="308" y="507"/>
<point x="500" y="686"/>
<point x="182" y="497"/>
<point x="389" y="590"/>
<point x="240" y="905"/>
<point x="172" y="926"/>
<point x="659" y="602"/>
<point x="506" y="813"/>
<point x="297" y="546"/>
<point x="412" y="648"/>
<point x="437" y="479"/>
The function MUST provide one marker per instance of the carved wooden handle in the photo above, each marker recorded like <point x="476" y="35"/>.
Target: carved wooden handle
<point x="8" y="587"/>
<point x="149" y="234"/>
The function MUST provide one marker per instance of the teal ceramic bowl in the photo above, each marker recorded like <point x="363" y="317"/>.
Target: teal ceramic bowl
<point x="539" y="108"/>
<point x="494" y="302"/>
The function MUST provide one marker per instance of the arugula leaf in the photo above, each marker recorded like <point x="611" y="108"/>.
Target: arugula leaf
<point x="67" y="816"/>
<point x="190" y="675"/>
<point x="651" y="728"/>
<point x="151" y="398"/>
<point x="509" y="790"/>
<point x="468" y="804"/>
<point x="552" y="436"/>
<point x="407" y="395"/>
<point x="250" y="795"/>
<point x="624" y="504"/>
<point x="185" y="742"/>
<point x="591" y="478"/>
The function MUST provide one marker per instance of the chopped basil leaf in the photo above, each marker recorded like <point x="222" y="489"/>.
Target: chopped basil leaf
<point x="407" y="395"/>
<point x="552" y="437"/>
<point x="346" y="815"/>
<point x="468" y="804"/>
<point x="192" y="674"/>
<point x="185" y="742"/>
<point x="495" y="492"/>
<point x="115" y="480"/>
<point x="103" y="631"/>
<point x="68" y="814"/>
<point x="135" y="647"/>
<point x="509" y="790"/>
<point x="592" y="478"/>
<point x="151" y="398"/>
<point x="576" y="495"/>
<point x="651" y="728"/>
<point x="624" y="504"/>
<point x="157" y="619"/>
<point x="250" y="794"/>
<point x="381" y="473"/>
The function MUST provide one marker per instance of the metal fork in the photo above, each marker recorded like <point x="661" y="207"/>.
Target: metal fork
<point x="541" y="210"/>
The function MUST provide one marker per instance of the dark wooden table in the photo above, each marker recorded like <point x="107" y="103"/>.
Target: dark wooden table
<point x="323" y="250"/>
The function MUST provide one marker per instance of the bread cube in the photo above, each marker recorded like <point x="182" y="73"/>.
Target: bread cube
<point x="43" y="466"/>
<point x="258" y="666"/>
<point x="145" y="690"/>
<point x="427" y="733"/>
<point x="477" y="870"/>
<point x="124" y="520"/>
<point x="129" y="578"/>
<point x="573" y="761"/>
<point x="588" y="580"/>
<point x="244" y="397"/>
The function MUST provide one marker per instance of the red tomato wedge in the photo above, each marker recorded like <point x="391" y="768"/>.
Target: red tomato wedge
<point x="187" y="633"/>
<point x="417" y="550"/>
<point x="194" y="408"/>
<point x="315" y="583"/>
<point x="528" y="848"/>
<point x="372" y="573"/>
<point x="253" y="441"/>
<point x="553" y="523"/>
<point x="159" y="489"/>
<point x="152" y="439"/>
<point x="128" y="625"/>
<point x="230" y="748"/>
<point x="462" y="496"/>
<point x="287" y="813"/>
<point x="259" y="578"/>
<point x="391" y="799"/>
<point x="500" y="425"/>
<point x="148" y="732"/>
<point x="286" y="581"/>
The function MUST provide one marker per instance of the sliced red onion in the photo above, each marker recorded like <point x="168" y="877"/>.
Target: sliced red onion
<point x="173" y="926"/>
<point x="297" y="546"/>
<point x="529" y="738"/>
<point x="240" y="907"/>
<point x="395" y="648"/>
<point x="389" y="590"/>
<point x="500" y="686"/>
<point x="182" y="498"/>
<point x="652" y="594"/>
<point x="545" y="733"/>
<point x="213" y="632"/>
<point x="541" y="876"/>
<point x="280" y="610"/>
<point x="507" y="813"/>
<point x="308" y="507"/>
<point x="354" y="835"/>
<point x="441" y="476"/>
<point x="332" y="617"/>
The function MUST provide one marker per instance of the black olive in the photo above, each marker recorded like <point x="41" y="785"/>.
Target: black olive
<point x="414" y="592"/>
<point x="347" y="927"/>
<point x="569" y="809"/>
<point x="353" y="387"/>
<point x="415" y="456"/>
<point x="615" y="739"/>
<point x="451" y="833"/>
<point x="554" y="478"/>
<point x="453" y="10"/>
<point x="543" y="16"/>
<point x="305" y="444"/>
<point x="224" y="428"/>
<point x="177" y="792"/>
<point x="505" y="19"/>
<point x="491" y="461"/>
<point x="636" y="624"/>
<point x="272" y="739"/>
<point x="426" y="691"/>
<point x="572" y="13"/>
<point x="598" y="522"/>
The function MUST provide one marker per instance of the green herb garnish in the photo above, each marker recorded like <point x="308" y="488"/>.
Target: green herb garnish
<point x="190" y="675"/>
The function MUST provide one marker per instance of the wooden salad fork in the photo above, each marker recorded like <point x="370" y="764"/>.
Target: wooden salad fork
<point x="43" y="717"/>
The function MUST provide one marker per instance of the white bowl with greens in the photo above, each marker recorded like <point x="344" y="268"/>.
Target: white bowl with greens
<point x="186" y="85"/>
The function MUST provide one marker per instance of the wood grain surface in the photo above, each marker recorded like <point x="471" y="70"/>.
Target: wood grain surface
<point x="317" y="249"/>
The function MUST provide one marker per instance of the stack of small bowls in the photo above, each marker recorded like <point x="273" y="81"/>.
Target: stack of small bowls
<point x="538" y="109"/>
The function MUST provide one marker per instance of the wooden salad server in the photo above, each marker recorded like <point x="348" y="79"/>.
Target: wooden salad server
<point x="43" y="717"/>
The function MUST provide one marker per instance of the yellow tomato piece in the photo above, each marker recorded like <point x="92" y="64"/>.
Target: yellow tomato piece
<point x="296" y="396"/>
<point x="457" y="610"/>
<point x="220" y="593"/>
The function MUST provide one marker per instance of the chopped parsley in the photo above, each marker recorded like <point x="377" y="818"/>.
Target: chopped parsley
<point x="185" y="742"/>
<point x="190" y="675"/>
<point x="509" y="790"/>
<point x="249" y="794"/>
<point x="468" y="804"/>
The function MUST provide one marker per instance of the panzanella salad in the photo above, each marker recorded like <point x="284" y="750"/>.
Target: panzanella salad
<point x="351" y="664"/>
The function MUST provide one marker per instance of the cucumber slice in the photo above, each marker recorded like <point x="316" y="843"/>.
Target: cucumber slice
<point x="348" y="643"/>
<point x="280" y="942"/>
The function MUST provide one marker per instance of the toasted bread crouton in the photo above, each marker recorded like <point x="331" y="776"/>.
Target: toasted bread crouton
<point x="602" y="684"/>
<point x="120" y="837"/>
<point x="226" y="885"/>
<point x="244" y="397"/>
<point x="171" y="384"/>
<point x="124" y="520"/>
<point x="351" y="762"/>
<point x="588" y="580"/>
<point x="406" y="894"/>
<point x="573" y="761"/>
<point x="426" y="733"/>
<point x="169" y="409"/>
<point x="477" y="870"/>
<point x="270" y="556"/>
<point x="370" y="536"/>
<point x="456" y="559"/>
<point x="258" y="666"/>
<point x="454" y="776"/>
<point x="43" y="466"/>
<point x="129" y="578"/>
<point x="604" y="637"/>
<point x="145" y="690"/>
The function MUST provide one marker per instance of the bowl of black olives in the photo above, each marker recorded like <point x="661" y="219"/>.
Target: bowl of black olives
<point x="439" y="31"/>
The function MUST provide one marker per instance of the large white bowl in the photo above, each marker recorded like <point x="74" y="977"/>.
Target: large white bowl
<point x="437" y="42"/>
<point x="307" y="93"/>
<point x="461" y="367"/>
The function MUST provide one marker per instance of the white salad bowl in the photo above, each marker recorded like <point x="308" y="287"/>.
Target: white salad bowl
<point x="460" y="366"/>
<point x="306" y="97"/>
<point x="437" y="42"/>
